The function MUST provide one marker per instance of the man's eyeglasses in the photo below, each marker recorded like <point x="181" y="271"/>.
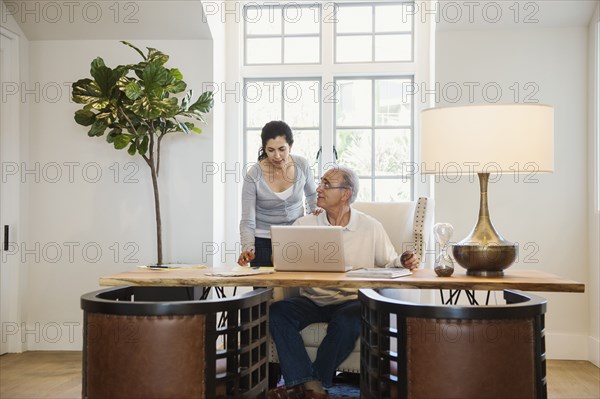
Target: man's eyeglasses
<point x="327" y="186"/>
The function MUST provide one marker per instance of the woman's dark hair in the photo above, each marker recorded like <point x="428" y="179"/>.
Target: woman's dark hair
<point x="272" y="130"/>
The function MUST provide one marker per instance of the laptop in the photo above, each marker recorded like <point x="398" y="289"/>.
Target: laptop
<point x="308" y="249"/>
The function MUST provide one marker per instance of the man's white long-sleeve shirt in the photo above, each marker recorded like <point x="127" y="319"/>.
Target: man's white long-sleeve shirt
<point x="366" y="244"/>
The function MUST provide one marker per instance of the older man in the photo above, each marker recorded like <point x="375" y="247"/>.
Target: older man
<point x="366" y="244"/>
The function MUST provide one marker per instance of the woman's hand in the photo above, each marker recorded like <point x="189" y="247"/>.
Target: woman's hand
<point x="409" y="260"/>
<point x="246" y="257"/>
<point x="317" y="211"/>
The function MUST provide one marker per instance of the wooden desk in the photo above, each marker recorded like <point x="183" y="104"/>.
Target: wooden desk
<point x="525" y="280"/>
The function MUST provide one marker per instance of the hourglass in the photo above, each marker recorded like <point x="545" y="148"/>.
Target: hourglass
<point x="444" y="266"/>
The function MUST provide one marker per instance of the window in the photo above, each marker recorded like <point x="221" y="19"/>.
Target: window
<point x="340" y="74"/>
<point x="373" y="33"/>
<point x="288" y="34"/>
<point x="295" y="101"/>
<point x="373" y="126"/>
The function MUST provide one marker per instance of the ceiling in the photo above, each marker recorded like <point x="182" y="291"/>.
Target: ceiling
<point x="185" y="20"/>
<point x="513" y="14"/>
<point x="109" y="20"/>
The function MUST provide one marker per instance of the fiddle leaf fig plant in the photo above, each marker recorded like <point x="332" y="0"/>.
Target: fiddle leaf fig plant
<point x="136" y="107"/>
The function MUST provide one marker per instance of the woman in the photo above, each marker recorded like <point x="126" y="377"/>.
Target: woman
<point x="273" y="193"/>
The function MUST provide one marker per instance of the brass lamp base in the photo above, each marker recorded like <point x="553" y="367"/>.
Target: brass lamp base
<point x="484" y="252"/>
<point x="485" y="260"/>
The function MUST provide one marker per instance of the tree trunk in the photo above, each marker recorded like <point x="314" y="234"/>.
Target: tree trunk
<point x="157" y="212"/>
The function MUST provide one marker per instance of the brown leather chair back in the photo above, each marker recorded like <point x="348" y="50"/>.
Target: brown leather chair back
<point x="174" y="349"/>
<point x="450" y="352"/>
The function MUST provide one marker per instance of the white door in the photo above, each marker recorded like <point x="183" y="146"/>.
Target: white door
<point x="9" y="192"/>
<point x="3" y="271"/>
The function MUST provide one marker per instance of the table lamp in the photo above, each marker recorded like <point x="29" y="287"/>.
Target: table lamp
<point x="484" y="139"/>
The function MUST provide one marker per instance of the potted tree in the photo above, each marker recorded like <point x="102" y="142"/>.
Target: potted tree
<point x="137" y="106"/>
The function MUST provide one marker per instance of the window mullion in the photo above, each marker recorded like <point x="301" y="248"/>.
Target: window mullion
<point x="373" y="152"/>
<point x="328" y="132"/>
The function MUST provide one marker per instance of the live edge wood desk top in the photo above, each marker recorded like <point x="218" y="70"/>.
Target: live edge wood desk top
<point x="525" y="280"/>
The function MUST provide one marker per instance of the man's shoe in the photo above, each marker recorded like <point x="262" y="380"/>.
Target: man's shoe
<point x="282" y="392"/>
<point x="310" y="394"/>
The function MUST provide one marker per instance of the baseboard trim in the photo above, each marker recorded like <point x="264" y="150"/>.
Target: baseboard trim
<point x="51" y="336"/>
<point x="594" y="350"/>
<point x="567" y="346"/>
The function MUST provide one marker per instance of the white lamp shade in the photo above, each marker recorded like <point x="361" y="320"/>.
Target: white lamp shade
<point x="516" y="138"/>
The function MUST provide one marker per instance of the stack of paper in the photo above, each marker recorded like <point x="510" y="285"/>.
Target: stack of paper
<point x="167" y="266"/>
<point x="378" y="273"/>
<point x="242" y="271"/>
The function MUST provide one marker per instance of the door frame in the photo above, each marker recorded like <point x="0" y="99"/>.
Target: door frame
<point x="10" y="195"/>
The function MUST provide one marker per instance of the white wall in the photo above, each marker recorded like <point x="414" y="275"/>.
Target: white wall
<point x="548" y="218"/>
<point x="593" y="184"/>
<point x="71" y="217"/>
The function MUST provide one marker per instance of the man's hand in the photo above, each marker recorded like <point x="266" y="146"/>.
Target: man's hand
<point x="409" y="260"/>
<point x="246" y="257"/>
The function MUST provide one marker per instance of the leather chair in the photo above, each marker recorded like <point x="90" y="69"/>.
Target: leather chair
<point x="174" y="349"/>
<point x="453" y="352"/>
<point x="409" y="225"/>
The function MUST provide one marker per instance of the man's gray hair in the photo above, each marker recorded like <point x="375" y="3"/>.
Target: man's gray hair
<point x="350" y="180"/>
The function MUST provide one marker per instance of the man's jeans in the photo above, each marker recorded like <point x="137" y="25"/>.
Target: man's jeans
<point x="289" y="316"/>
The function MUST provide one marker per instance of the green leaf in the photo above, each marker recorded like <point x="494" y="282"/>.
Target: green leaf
<point x="197" y="129"/>
<point x="175" y="73"/>
<point x="122" y="70"/>
<point x="105" y="115"/>
<point x="86" y="91"/>
<point x="152" y="108"/>
<point x="143" y="145"/>
<point x="110" y="137"/>
<point x="85" y="117"/>
<point x="96" y="64"/>
<point x="183" y="127"/>
<point x="176" y="87"/>
<point x="195" y="115"/>
<point x="133" y="90"/>
<point x="156" y="56"/>
<point x="105" y="77"/>
<point x="185" y="102"/>
<point x="155" y="76"/>
<point x="131" y="150"/>
<point x="204" y="103"/>
<point x="98" y="128"/>
<point x="121" y="141"/>
<point x="142" y="130"/>
<point x="135" y="48"/>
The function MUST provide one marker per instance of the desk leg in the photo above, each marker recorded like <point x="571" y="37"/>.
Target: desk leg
<point x="453" y="299"/>
<point x="471" y="297"/>
<point x="455" y="295"/>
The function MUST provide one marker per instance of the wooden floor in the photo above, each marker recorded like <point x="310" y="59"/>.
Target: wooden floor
<point x="58" y="375"/>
